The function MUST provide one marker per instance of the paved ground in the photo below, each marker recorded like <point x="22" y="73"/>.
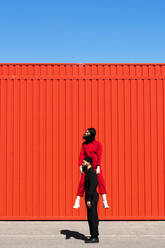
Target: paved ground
<point x="115" y="234"/>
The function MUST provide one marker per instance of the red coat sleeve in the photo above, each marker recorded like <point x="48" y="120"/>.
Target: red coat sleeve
<point x="99" y="153"/>
<point x="81" y="156"/>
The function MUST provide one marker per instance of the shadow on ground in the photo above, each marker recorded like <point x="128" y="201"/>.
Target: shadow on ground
<point x="69" y="234"/>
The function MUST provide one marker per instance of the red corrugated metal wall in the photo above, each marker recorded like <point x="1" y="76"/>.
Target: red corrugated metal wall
<point x="45" y="109"/>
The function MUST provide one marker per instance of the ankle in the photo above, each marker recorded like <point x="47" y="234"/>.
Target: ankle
<point x="94" y="237"/>
<point x="104" y="197"/>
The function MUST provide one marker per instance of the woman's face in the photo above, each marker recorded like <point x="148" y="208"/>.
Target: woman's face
<point x="87" y="133"/>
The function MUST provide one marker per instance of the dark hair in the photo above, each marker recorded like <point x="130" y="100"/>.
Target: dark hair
<point x="88" y="159"/>
<point x="92" y="132"/>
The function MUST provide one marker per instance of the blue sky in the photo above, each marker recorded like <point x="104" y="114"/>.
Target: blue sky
<point x="88" y="31"/>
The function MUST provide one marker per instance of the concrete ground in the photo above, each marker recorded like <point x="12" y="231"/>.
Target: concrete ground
<point x="115" y="234"/>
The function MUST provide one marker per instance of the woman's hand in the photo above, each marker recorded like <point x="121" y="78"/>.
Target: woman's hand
<point x="81" y="169"/>
<point x="98" y="169"/>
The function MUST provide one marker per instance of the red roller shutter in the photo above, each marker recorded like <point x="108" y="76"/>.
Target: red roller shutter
<point x="45" y="109"/>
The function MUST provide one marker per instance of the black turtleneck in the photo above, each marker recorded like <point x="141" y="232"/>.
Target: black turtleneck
<point x="91" y="183"/>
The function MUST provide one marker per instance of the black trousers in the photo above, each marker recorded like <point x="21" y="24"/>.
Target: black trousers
<point x="92" y="216"/>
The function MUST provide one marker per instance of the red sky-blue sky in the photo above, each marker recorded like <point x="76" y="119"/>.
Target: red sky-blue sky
<point x="71" y="31"/>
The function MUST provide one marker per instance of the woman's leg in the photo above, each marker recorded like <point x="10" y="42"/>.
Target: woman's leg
<point x="101" y="182"/>
<point x="102" y="188"/>
<point x="80" y="191"/>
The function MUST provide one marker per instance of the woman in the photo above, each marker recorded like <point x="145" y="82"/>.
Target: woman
<point x="93" y="149"/>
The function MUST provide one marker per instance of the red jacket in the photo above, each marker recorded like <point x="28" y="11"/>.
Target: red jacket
<point x="93" y="150"/>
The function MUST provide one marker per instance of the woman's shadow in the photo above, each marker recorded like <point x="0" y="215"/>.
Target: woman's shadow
<point x="69" y="234"/>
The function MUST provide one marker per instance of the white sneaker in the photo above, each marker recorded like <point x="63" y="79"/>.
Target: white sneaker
<point x="105" y="204"/>
<point x="76" y="205"/>
<point x="77" y="202"/>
